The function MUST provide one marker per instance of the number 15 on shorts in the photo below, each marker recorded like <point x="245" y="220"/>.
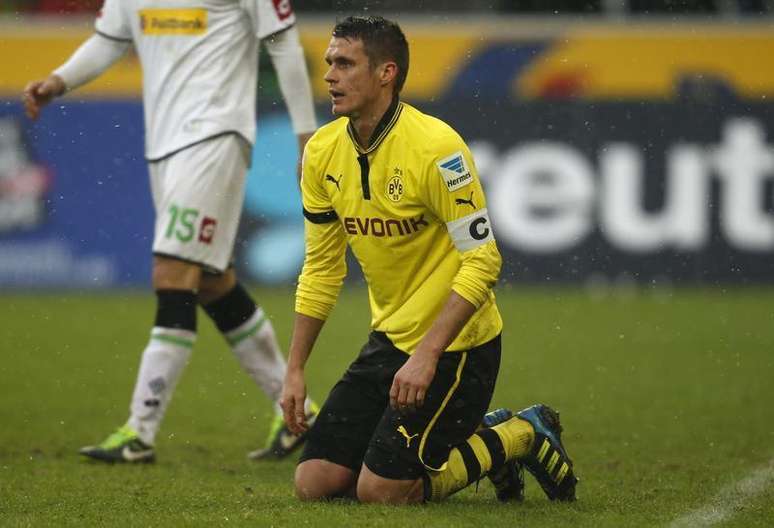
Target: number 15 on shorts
<point x="182" y="225"/>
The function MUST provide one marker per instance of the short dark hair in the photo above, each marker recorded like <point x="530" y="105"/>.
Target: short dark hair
<point x="382" y="40"/>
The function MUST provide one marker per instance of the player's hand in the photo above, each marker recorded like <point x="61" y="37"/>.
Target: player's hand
<point x="409" y="386"/>
<point x="38" y="94"/>
<point x="292" y="402"/>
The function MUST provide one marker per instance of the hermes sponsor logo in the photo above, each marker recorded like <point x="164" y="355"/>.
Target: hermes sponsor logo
<point x="454" y="171"/>
<point x="173" y="21"/>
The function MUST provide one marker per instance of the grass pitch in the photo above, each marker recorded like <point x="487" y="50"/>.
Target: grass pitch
<point x="666" y="400"/>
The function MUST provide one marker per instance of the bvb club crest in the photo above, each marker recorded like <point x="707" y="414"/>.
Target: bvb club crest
<point x="394" y="187"/>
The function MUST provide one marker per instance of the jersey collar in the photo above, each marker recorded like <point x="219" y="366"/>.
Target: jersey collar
<point x="386" y="123"/>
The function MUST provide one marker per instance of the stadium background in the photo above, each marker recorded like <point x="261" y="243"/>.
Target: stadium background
<point x="626" y="152"/>
<point x="613" y="149"/>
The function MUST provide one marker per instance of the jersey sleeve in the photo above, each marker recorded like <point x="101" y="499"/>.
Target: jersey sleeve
<point x="92" y="58"/>
<point x="287" y="56"/>
<point x="270" y="16"/>
<point x="453" y="193"/>
<point x="324" y="261"/>
<point x="112" y="22"/>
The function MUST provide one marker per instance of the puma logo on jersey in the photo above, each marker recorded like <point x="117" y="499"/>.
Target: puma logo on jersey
<point x="330" y="178"/>
<point x="402" y="430"/>
<point x="381" y="227"/>
<point x="173" y="21"/>
<point x="462" y="201"/>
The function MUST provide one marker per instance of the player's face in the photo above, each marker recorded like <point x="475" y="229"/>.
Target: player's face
<point x="352" y="84"/>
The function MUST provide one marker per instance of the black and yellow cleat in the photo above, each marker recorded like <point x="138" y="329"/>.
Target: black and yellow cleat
<point x="548" y="461"/>
<point x="508" y="479"/>
<point x="508" y="482"/>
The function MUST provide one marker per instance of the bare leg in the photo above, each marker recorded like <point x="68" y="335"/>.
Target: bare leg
<point x="373" y="488"/>
<point x="320" y="479"/>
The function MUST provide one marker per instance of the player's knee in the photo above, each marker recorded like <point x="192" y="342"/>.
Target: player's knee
<point x="172" y="274"/>
<point x="213" y="287"/>
<point x="374" y="489"/>
<point x="308" y="490"/>
<point x="367" y="492"/>
<point x="313" y="481"/>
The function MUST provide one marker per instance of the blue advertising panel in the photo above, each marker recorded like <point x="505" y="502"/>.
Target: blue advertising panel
<point x="652" y="192"/>
<point x="75" y="204"/>
<point x="75" y="208"/>
<point x="271" y="246"/>
<point x="578" y="191"/>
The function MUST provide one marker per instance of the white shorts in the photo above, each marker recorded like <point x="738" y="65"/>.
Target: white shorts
<point x="198" y="194"/>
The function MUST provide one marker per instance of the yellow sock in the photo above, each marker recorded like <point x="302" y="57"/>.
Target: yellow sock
<point x="473" y="459"/>
<point x="516" y="435"/>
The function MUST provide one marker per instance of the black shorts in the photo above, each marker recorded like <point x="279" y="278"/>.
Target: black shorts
<point x="357" y="425"/>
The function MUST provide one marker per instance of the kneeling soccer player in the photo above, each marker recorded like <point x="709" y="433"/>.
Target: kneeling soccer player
<point x="403" y="423"/>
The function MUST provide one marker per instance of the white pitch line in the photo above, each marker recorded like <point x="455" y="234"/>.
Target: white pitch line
<point x="729" y="500"/>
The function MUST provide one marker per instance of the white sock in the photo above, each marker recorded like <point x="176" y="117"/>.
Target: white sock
<point x="255" y="346"/>
<point x="162" y="363"/>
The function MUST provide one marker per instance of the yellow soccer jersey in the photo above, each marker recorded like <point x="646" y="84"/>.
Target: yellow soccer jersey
<point x="412" y="209"/>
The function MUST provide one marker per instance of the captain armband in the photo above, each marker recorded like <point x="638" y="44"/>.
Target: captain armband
<point x="325" y="217"/>
<point x="471" y="231"/>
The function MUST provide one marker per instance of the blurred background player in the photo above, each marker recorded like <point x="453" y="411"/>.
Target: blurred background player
<point x="200" y="64"/>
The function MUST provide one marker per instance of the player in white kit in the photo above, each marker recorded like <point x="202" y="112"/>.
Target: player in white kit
<point x="200" y="66"/>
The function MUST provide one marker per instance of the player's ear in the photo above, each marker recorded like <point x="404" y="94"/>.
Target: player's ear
<point x="388" y="72"/>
